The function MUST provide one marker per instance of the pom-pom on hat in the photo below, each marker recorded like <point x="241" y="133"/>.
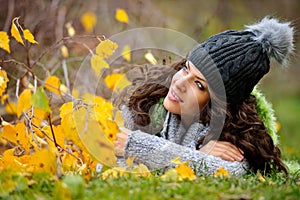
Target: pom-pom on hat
<point x="242" y="57"/>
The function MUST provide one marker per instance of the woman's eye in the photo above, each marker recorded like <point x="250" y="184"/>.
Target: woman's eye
<point x="199" y="85"/>
<point x="185" y="68"/>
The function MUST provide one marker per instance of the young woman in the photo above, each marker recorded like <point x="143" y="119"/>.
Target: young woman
<point x="213" y="85"/>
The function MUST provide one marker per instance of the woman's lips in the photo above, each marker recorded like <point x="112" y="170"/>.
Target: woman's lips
<point x="173" y="96"/>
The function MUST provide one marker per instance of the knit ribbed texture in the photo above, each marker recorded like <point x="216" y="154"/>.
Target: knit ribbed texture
<point x="239" y="59"/>
<point x="175" y="141"/>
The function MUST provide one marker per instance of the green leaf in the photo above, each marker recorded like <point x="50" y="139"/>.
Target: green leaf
<point x="40" y="100"/>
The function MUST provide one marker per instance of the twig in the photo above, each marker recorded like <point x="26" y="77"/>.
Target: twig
<point x="65" y="69"/>
<point x="17" y="88"/>
<point x="59" y="42"/>
<point x="50" y="123"/>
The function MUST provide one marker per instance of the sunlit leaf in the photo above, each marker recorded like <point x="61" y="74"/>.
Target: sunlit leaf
<point x="94" y="139"/>
<point x="106" y="48"/>
<point x="64" y="51"/>
<point x="40" y="100"/>
<point x="24" y="102"/>
<point x="15" y="31"/>
<point x="221" y="172"/>
<point x="52" y="83"/>
<point x="88" y="20"/>
<point x="170" y="175"/>
<point x="98" y="64"/>
<point x="121" y="83"/>
<point x="118" y="118"/>
<point x="22" y="136"/>
<point x="126" y="53"/>
<point x="75" y="93"/>
<point x="29" y="37"/>
<point x="3" y="81"/>
<point x="112" y="80"/>
<point x="11" y="108"/>
<point x="121" y="16"/>
<point x="4" y="41"/>
<point x="141" y="170"/>
<point x="9" y="133"/>
<point x="150" y="58"/>
<point x="129" y="161"/>
<point x="185" y="171"/>
<point x="70" y="29"/>
<point x="58" y="132"/>
<point x="261" y="178"/>
<point x="63" y="89"/>
<point x="43" y="160"/>
<point x="176" y="161"/>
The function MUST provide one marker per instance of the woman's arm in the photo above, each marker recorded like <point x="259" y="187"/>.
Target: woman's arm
<point x="157" y="153"/>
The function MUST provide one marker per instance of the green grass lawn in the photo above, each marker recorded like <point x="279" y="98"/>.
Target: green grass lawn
<point x="43" y="186"/>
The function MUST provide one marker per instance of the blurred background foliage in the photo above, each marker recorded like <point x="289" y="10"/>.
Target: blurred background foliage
<point x="198" y="19"/>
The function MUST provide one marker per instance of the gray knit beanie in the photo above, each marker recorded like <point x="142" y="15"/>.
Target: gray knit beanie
<point x="242" y="57"/>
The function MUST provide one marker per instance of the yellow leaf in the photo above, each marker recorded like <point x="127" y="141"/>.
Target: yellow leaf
<point x="88" y="20"/>
<point x="129" y="161"/>
<point x="22" y="136"/>
<point x="141" y="170"/>
<point x="221" y="172"/>
<point x="121" y="16"/>
<point x="75" y="93"/>
<point x="3" y="81"/>
<point x="150" y="58"/>
<point x="176" y="161"/>
<point x="261" y="178"/>
<point x="126" y="53"/>
<point x="64" y="51"/>
<point x="185" y="172"/>
<point x="110" y="173"/>
<point x="14" y="30"/>
<point x="122" y="83"/>
<point x="4" y="41"/>
<point x="70" y="29"/>
<point x="112" y="80"/>
<point x="66" y="108"/>
<point x="43" y="161"/>
<point x="11" y="108"/>
<point x="94" y="139"/>
<point x="29" y="37"/>
<point x="52" y="84"/>
<point x="170" y="175"/>
<point x="58" y="133"/>
<point x="106" y="48"/>
<point x="63" y="89"/>
<point x="4" y="98"/>
<point x="118" y="118"/>
<point x="98" y="64"/>
<point x="24" y="102"/>
<point x="9" y="133"/>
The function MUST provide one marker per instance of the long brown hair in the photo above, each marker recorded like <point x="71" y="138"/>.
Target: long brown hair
<point x="242" y="127"/>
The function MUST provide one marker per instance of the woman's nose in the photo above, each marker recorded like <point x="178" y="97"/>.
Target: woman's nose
<point x="181" y="83"/>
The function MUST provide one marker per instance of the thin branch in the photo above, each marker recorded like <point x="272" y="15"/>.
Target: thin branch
<point x="17" y="88"/>
<point x="65" y="69"/>
<point x="59" y="42"/>
<point x="50" y="123"/>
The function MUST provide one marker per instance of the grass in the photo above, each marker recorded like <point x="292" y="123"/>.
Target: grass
<point x="43" y="186"/>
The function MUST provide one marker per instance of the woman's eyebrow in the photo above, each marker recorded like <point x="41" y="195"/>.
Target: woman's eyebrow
<point x="188" y="65"/>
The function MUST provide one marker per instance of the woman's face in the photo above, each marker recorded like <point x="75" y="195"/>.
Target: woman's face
<point x="188" y="92"/>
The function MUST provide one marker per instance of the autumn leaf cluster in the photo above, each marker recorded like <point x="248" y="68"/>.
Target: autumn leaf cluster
<point x="78" y="135"/>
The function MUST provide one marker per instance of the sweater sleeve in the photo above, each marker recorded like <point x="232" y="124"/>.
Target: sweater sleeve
<point x="157" y="153"/>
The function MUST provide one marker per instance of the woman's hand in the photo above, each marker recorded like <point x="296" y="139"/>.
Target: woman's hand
<point x="120" y="141"/>
<point x="224" y="150"/>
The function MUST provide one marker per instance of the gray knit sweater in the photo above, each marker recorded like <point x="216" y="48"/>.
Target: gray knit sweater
<point x="175" y="141"/>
